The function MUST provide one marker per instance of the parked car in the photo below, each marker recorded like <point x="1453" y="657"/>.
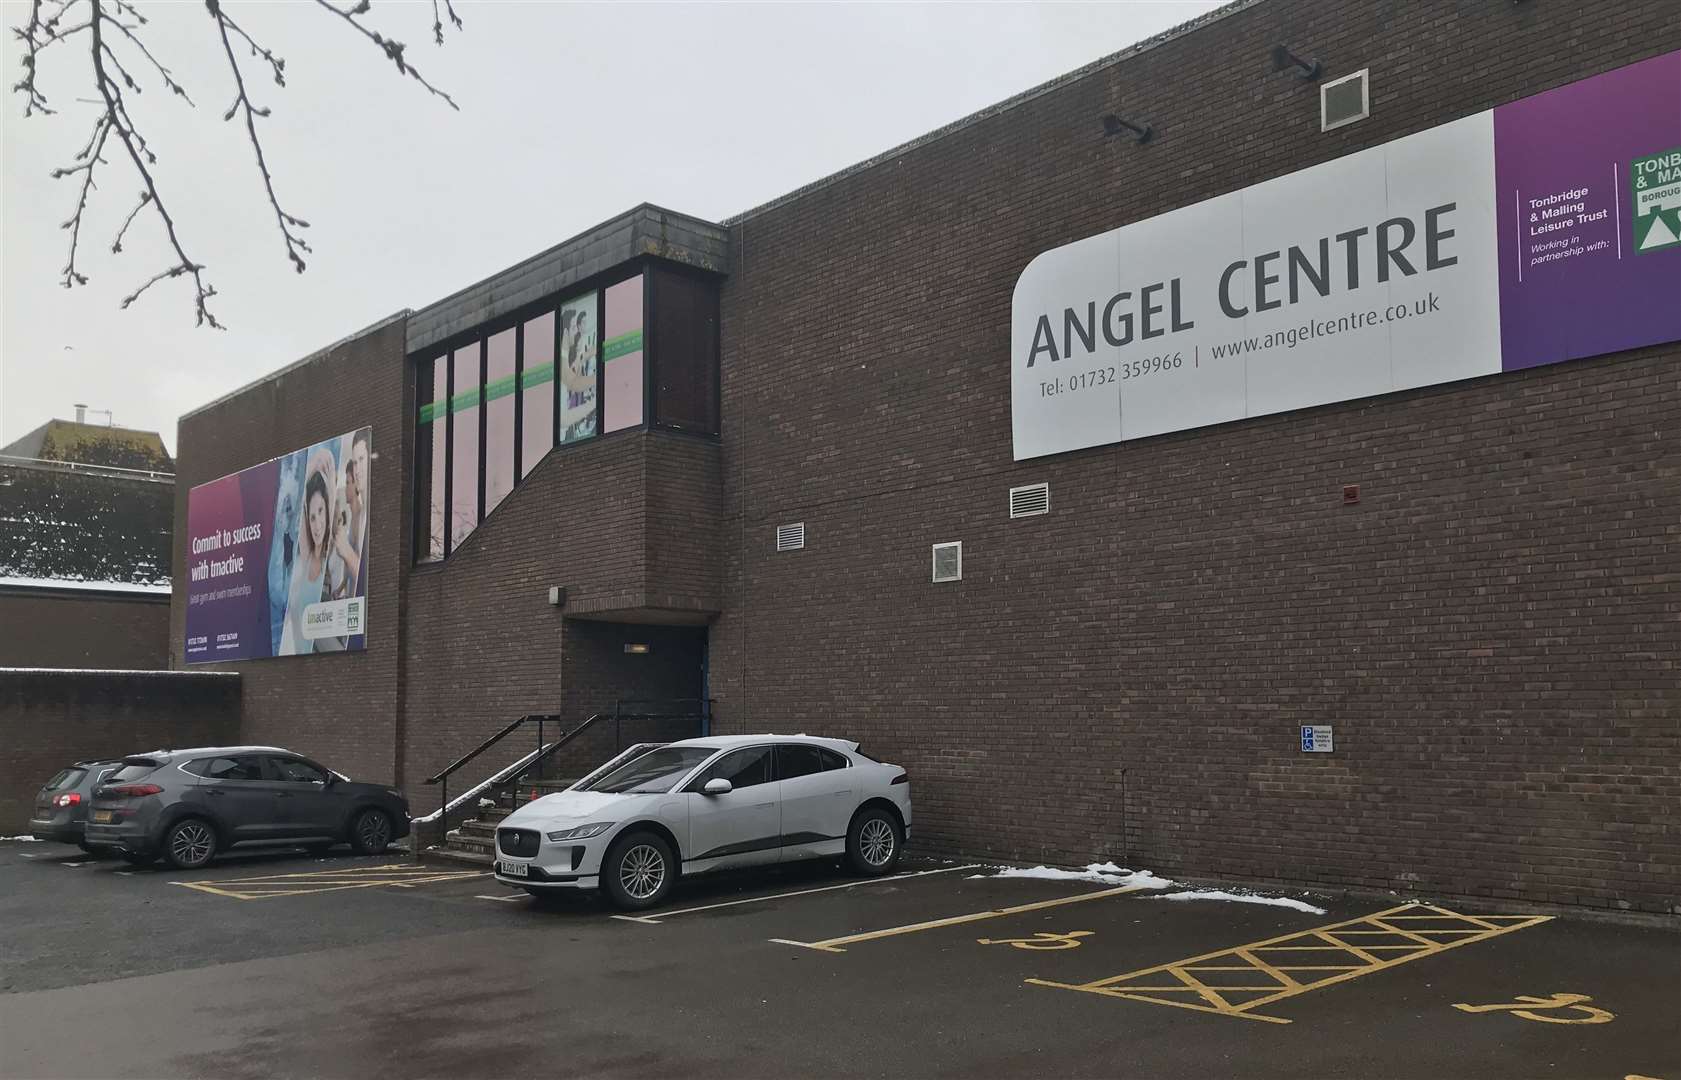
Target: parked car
<point x="61" y="807"/>
<point x="187" y="805"/>
<point x="708" y="804"/>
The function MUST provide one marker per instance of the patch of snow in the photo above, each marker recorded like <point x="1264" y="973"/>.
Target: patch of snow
<point x="486" y="802"/>
<point x="1243" y="898"/>
<point x="23" y="839"/>
<point x="1105" y="873"/>
<point x="156" y="588"/>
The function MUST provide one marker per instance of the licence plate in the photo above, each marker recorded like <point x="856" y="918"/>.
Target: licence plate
<point x="513" y="869"/>
<point x="103" y="817"/>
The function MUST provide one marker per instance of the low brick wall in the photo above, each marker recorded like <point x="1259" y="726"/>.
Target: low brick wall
<point x="50" y="718"/>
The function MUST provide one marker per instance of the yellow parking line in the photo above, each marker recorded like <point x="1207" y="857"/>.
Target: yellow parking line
<point x="657" y="917"/>
<point x="838" y="944"/>
<point x="263" y="887"/>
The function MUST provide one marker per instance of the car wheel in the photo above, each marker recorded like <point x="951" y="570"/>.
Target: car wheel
<point x="135" y="858"/>
<point x="189" y="844"/>
<point x="639" y="871"/>
<point x="874" y="841"/>
<point x="370" y="833"/>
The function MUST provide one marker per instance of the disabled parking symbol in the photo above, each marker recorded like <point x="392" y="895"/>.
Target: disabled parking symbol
<point x="1041" y="942"/>
<point x="1530" y="1007"/>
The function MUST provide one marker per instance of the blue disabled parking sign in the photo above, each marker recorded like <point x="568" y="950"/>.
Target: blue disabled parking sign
<point x="1316" y="739"/>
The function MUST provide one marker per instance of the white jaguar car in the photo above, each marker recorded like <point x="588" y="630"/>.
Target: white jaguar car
<point x="708" y="804"/>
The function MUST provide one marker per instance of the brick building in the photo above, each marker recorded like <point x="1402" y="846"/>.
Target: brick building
<point x="1472" y="582"/>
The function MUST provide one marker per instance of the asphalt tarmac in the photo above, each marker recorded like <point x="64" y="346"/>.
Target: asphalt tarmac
<point x="282" y="965"/>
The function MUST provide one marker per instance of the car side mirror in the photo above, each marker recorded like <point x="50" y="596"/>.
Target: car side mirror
<point x="717" y="786"/>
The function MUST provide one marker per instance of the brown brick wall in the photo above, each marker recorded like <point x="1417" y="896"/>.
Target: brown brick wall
<point x="1492" y="631"/>
<point x="50" y="719"/>
<point x="67" y="629"/>
<point x="340" y="709"/>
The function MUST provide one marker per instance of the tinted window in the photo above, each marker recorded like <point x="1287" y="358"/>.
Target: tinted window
<point x="742" y="768"/>
<point x="499" y="382"/>
<point x="832" y="760"/>
<point x="198" y="767"/>
<point x="66" y="778"/>
<point x="298" y="772"/>
<point x="794" y="760"/>
<point x="236" y="768"/>
<point x="656" y="771"/>
<point x="132" y="772"/>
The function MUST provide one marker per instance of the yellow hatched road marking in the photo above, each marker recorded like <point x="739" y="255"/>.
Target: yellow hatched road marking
<point x="1217" y="999"/>
<point x="262" y="886"/>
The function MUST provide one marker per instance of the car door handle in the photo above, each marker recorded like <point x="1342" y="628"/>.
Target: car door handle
<point x="763" y="805"/>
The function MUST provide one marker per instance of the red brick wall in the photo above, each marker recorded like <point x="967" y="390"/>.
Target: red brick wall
<point x="340" y="709"/>
<point x="50" y="719"/>
<point x="71" y="630"/>
<point x="1492" y="631"/>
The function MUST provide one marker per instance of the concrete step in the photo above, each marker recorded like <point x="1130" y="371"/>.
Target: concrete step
<point x="477" y="828"/>
<point x="456" y="840"/>
<point x="445" y="856"/>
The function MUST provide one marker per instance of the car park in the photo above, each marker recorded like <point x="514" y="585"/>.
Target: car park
<point x="185" y="806"/>
<point x="707" y="804"/>
<point x="61" y="806"/>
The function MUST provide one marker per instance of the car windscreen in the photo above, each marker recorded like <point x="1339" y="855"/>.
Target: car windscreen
<point x="66" y="778"/>
<point x="655" y="772"/>
<point x="133" y="769"/>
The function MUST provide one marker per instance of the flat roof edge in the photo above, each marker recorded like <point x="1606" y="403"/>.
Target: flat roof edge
<point x="293" y="366"/>
<point x="1171" y="34"/>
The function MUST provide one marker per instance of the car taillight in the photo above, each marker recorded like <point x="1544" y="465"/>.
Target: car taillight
<point x="135" y="791"/>
<point x="902" y="778"/>
<point x="70" y="799"/>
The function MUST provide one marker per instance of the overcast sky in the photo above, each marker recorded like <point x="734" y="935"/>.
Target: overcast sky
<point x="570" y="114"/>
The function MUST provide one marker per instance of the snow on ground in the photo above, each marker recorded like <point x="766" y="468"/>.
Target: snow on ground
<point x="1106" y="873"/>
<point x="23" y="839"/>
<point x="1242" y="898"/>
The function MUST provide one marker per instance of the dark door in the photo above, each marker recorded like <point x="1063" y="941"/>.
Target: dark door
<point x="238" y="792"/>
<point x="308" y="804"/>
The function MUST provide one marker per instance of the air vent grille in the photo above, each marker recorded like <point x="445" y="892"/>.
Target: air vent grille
<point x="790" y="537"/>
<point x="1344" y="101"/>
<point x="1030" y="500"/>
<point x="948" y="561"/>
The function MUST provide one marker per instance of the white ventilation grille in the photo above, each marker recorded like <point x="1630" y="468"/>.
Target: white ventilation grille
<point x="948" y="561"/>
<point x="1345" y="100"/>
<point x="790" y="537"/>
<point x="1031" y="500"/>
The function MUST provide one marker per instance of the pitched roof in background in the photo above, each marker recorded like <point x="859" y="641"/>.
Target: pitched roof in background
<point x="93" y="444"/>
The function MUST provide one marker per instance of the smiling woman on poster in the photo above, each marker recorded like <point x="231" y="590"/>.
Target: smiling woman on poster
<point x="310" y="571"/>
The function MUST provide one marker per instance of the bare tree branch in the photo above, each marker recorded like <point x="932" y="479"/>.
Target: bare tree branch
<point x="438" y="24"/>
<point x="392" y="48"/>
<point x="163" y="72"/>
<point x="90" y="157"/>
<point x="286" y="222"/>
<point x="117" y="244"/>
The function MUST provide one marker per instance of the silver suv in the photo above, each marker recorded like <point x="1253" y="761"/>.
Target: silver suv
<point x="187" y="805"/>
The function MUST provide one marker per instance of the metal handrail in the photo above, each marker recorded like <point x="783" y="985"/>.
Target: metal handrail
<point x="486" y="745"/>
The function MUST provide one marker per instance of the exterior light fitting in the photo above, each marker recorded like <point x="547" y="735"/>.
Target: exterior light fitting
<point x="1285" y="60"/>
<point x="1115" y="125"/>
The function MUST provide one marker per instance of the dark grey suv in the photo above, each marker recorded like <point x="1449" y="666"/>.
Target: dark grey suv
<point x="186" y="805"/>
<point x="61" y="807"/>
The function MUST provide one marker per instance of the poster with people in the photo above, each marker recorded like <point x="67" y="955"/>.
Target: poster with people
<point x="277" y="555"/>
<point x="577" y="363"/>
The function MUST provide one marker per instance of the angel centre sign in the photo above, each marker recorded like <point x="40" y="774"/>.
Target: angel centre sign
<point x="1488" y="244"/>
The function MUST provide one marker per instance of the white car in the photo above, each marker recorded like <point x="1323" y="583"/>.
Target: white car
<point x="708" y="804"/>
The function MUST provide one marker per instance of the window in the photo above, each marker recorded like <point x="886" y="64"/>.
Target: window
<point x="536" y="382"/>
<point x="431" y="443"/>
<point x="133" y="771"/>
<point x="685" y="352"/>
<point x="657" y="771"/>
<point x="499" y="395"/>
<point x="742" y="768"/>
<point x="621" y="355"/>
<point x="234" y="768"/>
<point x="832" y="760"/>
<point x="794" y="760"/>
<point x="464" y="444"/>
<point x="65" y="778"/>
<point x="577" y="365"/>
<point x="294" y="771"/>
<point x="197" y="767"/>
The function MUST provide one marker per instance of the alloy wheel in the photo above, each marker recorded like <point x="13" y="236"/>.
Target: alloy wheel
<point x="642" y="871"/>
<point x="192" y="844"/>
<point x="875" y="841"/>
<point x="373" y="830"/>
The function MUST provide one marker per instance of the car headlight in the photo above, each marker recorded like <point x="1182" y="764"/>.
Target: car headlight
<point x="582" y="832"/>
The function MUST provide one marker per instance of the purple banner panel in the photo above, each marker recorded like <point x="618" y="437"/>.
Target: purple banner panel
<point x="1588" y="193"/>
<point x="277" y="555"/>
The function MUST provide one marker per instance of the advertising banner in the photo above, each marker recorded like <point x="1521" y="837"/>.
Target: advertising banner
<point x="277" y="555"/>
<point x="1493" y="243"/>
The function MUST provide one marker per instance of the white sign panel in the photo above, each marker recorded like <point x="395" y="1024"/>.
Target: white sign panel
<point x="1372" y="273"/>
<point x="1316" y="739"/>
